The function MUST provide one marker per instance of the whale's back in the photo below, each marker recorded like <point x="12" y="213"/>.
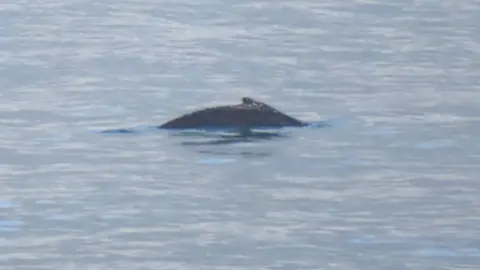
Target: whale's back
<point x="249" y="114"/>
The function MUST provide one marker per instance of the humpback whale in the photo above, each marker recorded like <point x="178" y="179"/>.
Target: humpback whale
<point x="249" y="114"/>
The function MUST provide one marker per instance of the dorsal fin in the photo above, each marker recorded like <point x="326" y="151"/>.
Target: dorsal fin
<point x="248" y="101"/>
<point x="251" y="103"/>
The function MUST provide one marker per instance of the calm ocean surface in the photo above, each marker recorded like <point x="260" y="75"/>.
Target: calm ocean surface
<point x="392" y="182"/>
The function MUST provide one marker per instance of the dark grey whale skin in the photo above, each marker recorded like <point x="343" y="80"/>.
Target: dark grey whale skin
<point x="249" y="114"/>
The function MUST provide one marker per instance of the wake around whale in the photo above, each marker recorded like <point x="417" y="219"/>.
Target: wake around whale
<point x="249" y="114"/>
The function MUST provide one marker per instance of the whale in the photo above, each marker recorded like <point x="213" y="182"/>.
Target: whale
<point x="244" y="116"/>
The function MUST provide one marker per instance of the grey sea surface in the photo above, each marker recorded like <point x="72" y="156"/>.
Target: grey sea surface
<point x="391" y="183"/>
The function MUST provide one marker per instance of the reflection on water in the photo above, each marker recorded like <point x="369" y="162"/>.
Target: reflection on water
<point x="211" y="143"/>
<point x="232" y="132"/>
<point x="210" y="140"/>
<point x="229" y="137"/>
<point x="254" y="153"/>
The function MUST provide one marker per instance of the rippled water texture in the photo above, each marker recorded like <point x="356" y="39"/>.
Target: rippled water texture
<point x="390" y="183"/>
